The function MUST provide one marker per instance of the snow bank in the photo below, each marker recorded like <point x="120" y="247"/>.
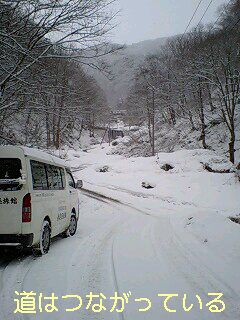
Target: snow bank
<point x="188" y="185"/>
<point x="194" y="161"/>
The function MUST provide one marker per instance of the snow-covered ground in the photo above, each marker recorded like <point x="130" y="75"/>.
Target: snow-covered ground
<point x="188" y="186"/>
<point x="170" y="138"/>
<point x="175" y="238"/>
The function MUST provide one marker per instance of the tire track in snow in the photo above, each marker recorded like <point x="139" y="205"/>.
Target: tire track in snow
<point x="206" y="272"/>
<point x="101" y="247"/>
<point x="3" y="266"/>
<point x="97" y="264"/>
<point x="102" y="197"/>
<point x="14" y="282"/>
<point x="168" y="200"/>
<point x="168" y="253"/>
<point x="188" y="254"/>
<point x="194" y="259"/>
<point x="120" y="315"/>
<point x="15" y="273"/>
<point x="186" y="264"/>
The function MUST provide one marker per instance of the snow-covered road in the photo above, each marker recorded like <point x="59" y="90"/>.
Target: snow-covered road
<point x="138" y="242"/>
<point x="122" y="249"/>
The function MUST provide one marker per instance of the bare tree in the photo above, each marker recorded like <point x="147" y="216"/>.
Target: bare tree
<point x="34" y="30"/>
<point x="195" y="77"/>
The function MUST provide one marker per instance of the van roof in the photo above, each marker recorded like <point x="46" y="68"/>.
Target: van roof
<point x="37" y="154"/>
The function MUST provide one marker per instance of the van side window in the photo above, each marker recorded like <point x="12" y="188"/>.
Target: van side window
<point x="54" y="177"/>
<point x="70" y="180"/>
<point x="39" y="177"/>
<point x="57" y="179"/>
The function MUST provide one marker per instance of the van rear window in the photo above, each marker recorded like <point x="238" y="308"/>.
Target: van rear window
<point x="10" y="168"/>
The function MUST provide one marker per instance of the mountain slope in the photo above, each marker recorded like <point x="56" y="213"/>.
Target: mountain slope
<point x="123" y="65"/>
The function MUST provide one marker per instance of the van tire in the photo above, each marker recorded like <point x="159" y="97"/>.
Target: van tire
<point x="45" y="240"/>
<point x="71" y="230"/>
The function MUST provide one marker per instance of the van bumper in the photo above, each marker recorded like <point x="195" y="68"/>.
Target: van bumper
<point x="24" y="240"/>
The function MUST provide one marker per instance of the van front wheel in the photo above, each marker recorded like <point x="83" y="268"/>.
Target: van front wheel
<point x="72" y="227"/>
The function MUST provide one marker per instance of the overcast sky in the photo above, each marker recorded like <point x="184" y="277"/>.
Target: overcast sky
<point x="149" y="19"/>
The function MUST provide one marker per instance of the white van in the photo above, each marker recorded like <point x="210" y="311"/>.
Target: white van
<point x="38" y="198"/>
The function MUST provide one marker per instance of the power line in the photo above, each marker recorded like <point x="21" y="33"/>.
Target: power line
<point x="200" y="2"/>
<point x="220" y="15"/>
<point x="235" y="24"/>
<point x="216" y="21"/>
<point x="218" y="18"/>
<point x="229" y="25"/>
<point x="205" y="13"/>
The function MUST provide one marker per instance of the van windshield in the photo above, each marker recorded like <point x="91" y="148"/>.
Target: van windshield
<point x="10" y="169"/>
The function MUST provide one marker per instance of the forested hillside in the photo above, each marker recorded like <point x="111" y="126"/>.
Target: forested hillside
<point x="59" y="75"/>
<point x="45" y="96"/>
<point x="194" y="80"/>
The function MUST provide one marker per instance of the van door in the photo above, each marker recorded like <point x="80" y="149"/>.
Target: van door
<point x="11" y="195"/>
<point x="60" y="206"/>
<point x="42" y="198"/>
<point x="73" y="193"/>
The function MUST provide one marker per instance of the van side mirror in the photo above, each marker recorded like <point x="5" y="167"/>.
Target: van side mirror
<point x="79" y="184"/>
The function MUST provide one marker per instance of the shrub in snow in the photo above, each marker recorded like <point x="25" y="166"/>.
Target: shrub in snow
<point x="167" y="167"/>
<point x="76" y="155"/>
<point x="114" y="143"/>
<point x="235" y="219"/>
<point x="94" y="141"/>
<point x="103" y="169"/>
<point x="209" y="169"/>
<point x="148" y="185"/>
